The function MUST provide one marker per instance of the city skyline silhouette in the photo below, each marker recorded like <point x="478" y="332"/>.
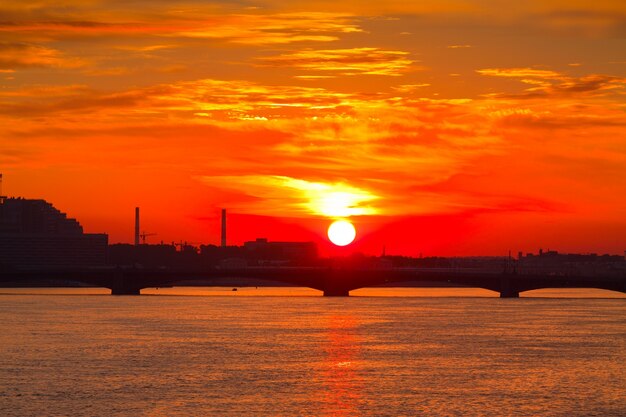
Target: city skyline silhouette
<point x="41" y="246"/>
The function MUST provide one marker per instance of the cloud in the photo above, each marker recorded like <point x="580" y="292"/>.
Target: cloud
<point x="276" y="28"/>
<point x="145" y="48"/>
<point x="282" y="148"/>
<point x="410" y="88"/>
<point x="589" y="83"/>
<point x="221" y="100"/>
<point x="519" y="73"/>
<point x="545" y="83"/>
<point x="378" y="144"/>
<point x="314" y="77"/>
<point x="23" y="55"/>
<point x="353" y="61"/>
<point x="249" y="29"/>
<point x="293" y="197"/>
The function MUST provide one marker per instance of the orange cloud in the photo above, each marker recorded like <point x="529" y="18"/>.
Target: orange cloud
<point x="519" y="73"/>
<point x="252" y="29"/>
<point x="354" y="61"/>
<point x="292" y="197"/>
<point x="546" y="82"/>
<point x="22" y="55"/>
<point x="262" y="29"/>
<point x="338" y="138"/>
<point x="410" y="88"/>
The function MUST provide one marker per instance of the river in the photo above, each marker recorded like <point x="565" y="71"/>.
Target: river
<point x="290" y="352"/>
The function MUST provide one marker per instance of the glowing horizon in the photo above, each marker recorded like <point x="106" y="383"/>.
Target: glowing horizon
<point x="448" y="127"/>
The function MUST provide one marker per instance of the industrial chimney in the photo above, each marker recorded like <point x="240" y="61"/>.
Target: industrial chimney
<point x="2" y="197"/>
<point x="136" y="226"/>
<point x="223" y="228"/>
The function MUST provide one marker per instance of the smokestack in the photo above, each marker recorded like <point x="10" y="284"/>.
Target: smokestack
<point x="136" y="226"/>
<point x="223" y="228"/>
<point x="2" y="197"/>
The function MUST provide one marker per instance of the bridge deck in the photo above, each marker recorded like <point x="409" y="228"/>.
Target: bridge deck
<point x="332" y="281"/>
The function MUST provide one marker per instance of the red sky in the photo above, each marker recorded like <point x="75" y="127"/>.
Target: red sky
<point x="437" y="127"/>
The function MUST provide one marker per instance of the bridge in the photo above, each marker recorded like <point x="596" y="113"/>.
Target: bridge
<point x="331" y="281"/>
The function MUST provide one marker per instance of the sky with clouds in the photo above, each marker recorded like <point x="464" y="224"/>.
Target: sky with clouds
<point x="437" y="127"/>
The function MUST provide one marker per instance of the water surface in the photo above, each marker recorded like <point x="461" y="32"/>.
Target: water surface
<point x="270" y="354"/>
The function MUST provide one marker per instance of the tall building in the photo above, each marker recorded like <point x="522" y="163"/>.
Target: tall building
<point x="35" y="235"/>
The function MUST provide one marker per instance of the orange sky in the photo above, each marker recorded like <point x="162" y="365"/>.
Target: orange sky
<point x="439" y="127"/>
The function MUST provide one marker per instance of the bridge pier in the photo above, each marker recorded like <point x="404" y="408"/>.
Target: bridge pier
<point x="336" y="292"/>
<point x="507" y="287"/>
<point x="125" y="282"/>
<point x="125" y="291"/>
<point x="509" y="294"/>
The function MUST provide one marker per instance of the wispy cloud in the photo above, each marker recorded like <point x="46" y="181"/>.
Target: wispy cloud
<point x="24" y="55"/>
<point x="410" y="88"/>
<point x="519" y="73"/>
<point x="353" y="61"/>
<point x="261" y="29"/>
<point x="546" y="83"/>
<point x="252" y="29"/>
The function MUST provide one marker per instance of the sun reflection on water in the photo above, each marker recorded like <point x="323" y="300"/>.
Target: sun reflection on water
<point x="342" y="373"/>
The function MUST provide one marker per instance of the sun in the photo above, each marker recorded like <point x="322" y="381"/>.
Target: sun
<point x="341" y="232"/>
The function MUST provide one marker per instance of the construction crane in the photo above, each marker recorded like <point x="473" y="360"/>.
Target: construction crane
<point x="144" y="235"/>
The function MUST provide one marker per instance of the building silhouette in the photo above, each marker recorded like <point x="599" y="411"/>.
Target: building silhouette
<point x="35" y="235"/>
<point x="266" y="252"/>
